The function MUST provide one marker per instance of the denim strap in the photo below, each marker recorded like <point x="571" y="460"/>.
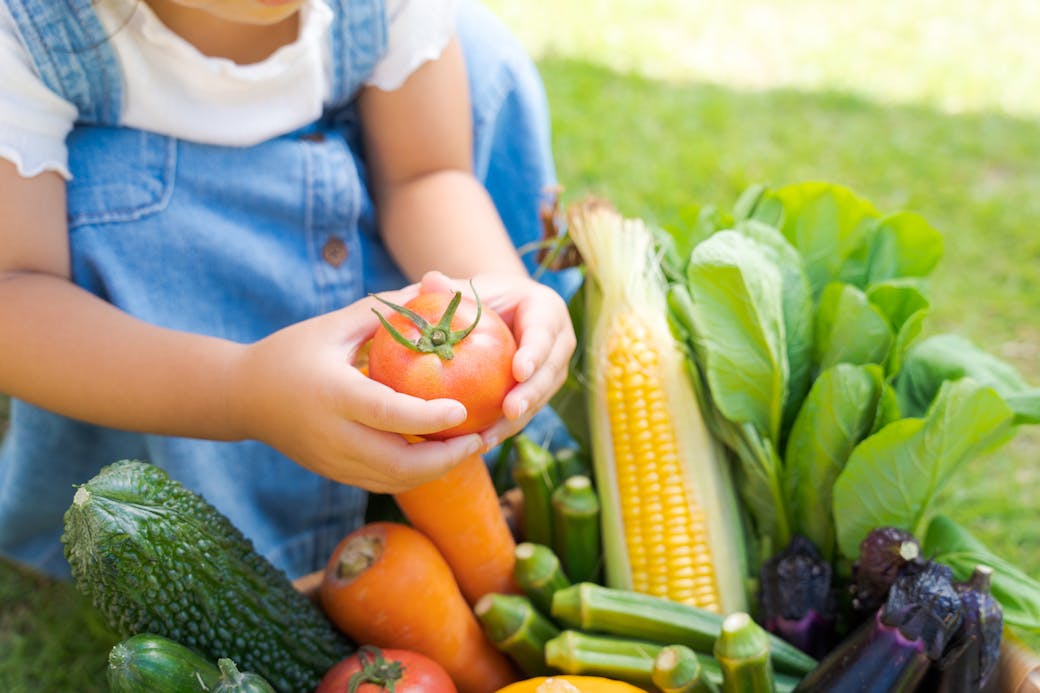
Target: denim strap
<point x="358" y="42"/>
<point x="73" y="54"/>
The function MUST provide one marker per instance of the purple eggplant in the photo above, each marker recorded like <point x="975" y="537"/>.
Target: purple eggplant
<point x="893" y="651"/>
<point x="882" y="555"/>
<point x="972" y="657"/>
<point x="796" y="597"/>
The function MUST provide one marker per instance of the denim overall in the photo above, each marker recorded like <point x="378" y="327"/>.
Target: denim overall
<point x="238" y="243"/>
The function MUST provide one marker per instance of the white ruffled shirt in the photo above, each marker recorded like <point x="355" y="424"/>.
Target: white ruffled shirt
<point x="171" y="88"/>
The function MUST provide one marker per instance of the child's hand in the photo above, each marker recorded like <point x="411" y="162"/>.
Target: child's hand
<point x="297" y="391"/>
<point x="545" y="341"/>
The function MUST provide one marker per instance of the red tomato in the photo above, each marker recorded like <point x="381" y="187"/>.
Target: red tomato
<point x="378" y="670"/>
<point x="478" y="373"/>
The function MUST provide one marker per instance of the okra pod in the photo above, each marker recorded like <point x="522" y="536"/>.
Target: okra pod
<point x="571" y="462"/>
<point x="592" y="607"/>
<point x="575" y="652"/>
<point x="538" y="573"/>
<point x="742" y="650"/>
<point x="535" y="473"/>
<point x="678" y="669"/>
<point x="516" y="628"/>
<point x="576" y="528"/>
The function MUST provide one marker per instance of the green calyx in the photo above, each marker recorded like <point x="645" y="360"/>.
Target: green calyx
<point x="436" y="338"/>
<point x="375" y="669"/>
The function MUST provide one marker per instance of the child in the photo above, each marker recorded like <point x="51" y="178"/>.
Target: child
<point x="197" y="197"/>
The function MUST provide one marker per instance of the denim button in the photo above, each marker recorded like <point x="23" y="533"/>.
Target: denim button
<point x="313" y="137"/>
<point x="334" y="251"/>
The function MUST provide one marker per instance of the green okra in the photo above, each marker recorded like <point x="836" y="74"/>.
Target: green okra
<point x="592" y="607"/>
<point x="539" y="574"/>
<point x="536" y="474"/>
<point x="576" y="528"/>
<point x="515" y="627"/>
<point x="742" y="650"/>
<point x="678" y="669"/>
<point x="571" y="462"/>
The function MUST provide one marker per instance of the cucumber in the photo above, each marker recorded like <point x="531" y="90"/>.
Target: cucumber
<point x="149" y="663"/>
<point x="154" y="557"/>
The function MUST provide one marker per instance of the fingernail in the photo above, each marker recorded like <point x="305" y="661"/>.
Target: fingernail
<point x="526" y="370"/>
<point x="521" y="409"/>
<point x="489" y="442"/>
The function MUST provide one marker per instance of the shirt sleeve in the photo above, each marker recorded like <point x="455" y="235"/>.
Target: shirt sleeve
<point x="417" y="32"/>
<point x="34" y="121"/>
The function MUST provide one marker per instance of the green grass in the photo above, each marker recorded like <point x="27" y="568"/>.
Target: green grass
<point x="661" y="105"/>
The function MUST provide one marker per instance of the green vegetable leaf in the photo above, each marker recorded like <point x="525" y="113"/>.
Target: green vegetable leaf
<point x="906" y="308"/>
<point x="826" y="223"/>
<point x="902" y="245"/>
<point x="838" y="413"/>
<point x="798" y="313"/>
<point x="849" y="328"/>
<point x="892" y="477"/>
<point x="934" y="360"/>
<point x="740" y="338"/>
<point x="1018" y="594"/>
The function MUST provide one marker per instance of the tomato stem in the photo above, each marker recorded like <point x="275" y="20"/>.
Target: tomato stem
<point x="375" y="669"/>
<point x="433" y="339"/>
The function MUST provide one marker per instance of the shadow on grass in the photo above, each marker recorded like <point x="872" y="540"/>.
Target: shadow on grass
<point x="654" y="149"/>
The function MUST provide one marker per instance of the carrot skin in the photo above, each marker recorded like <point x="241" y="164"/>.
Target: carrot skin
<point x="386" y="584"/>
<point x="461" y="514"/>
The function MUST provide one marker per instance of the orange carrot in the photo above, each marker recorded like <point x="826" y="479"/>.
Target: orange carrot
<point x="461" y="515"/>
<point x="387" y="585"/>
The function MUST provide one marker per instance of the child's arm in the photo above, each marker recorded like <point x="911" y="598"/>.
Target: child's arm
<point x="68" y="351"/>
<point x="436" y="216"/>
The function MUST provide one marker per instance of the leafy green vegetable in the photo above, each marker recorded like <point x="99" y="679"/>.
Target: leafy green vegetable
<point x="849" y="328"/>
<point x="739" y="322"/>
<point x="797" y="302"/>
<point x="903" y="244"/>
<point x="948" y="356"/>
<point x="827" y="224"/>
<point x="838" y="413"/>
<point x="906" y="308"/>
<point x="892" y="477"/>
<point x="1018" y="594"/>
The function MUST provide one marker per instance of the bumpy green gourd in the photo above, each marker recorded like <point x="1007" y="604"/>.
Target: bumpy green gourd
<point x="155" y="557"/>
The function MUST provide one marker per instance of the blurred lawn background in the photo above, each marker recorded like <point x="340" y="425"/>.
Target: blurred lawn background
<point x="657" y="105"/>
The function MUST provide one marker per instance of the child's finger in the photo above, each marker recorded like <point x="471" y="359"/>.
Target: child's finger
<point x="377" y="406"/>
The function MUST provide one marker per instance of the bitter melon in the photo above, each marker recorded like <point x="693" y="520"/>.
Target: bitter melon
<point x="155" y="557"/>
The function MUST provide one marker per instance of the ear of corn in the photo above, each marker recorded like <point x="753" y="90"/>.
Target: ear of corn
<point x="670" y="522"/>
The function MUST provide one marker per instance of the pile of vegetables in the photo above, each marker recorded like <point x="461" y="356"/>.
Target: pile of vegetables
<point x="801" y="318"/>
<point x="762" y="429"/>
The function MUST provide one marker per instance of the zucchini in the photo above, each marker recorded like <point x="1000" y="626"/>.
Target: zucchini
<point x="153" y="556"/>
<point x="149" y="663"/>
<point x="591" y="607"/>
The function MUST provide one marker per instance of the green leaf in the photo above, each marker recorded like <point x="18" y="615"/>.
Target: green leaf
<point x="798" y="313"/>
<point x="849" y="328"/>
<point x="1018" y="594"/>
<point x="740" y="339"/>
<point x="838" y="413"/>
<point x="939" y="358"/>
<point x="902" y="245"/>
<point x="906" y="309"/>
<point x="826" y="223"/>
<point x="892" y="477"/>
